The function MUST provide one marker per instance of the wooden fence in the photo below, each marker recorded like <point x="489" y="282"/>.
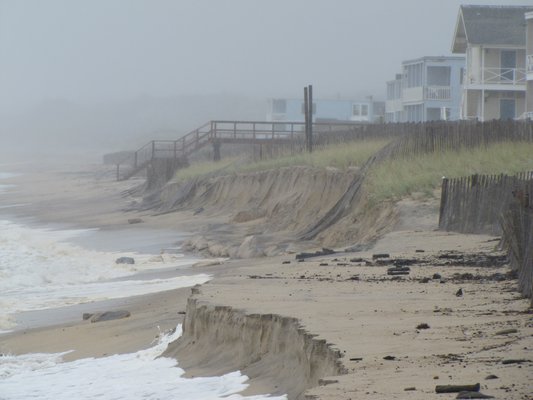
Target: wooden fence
<point x="453" y="136"/>
<point x="517" y="224"/>
<point x="494" y="204"/>
<point x="475" y="204"/>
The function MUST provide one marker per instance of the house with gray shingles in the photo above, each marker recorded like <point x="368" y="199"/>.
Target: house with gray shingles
<point x="428" y="89"/>
<point x="493" y="39"/>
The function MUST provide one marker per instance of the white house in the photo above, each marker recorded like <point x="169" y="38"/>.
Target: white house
<point x="493" y="38"/>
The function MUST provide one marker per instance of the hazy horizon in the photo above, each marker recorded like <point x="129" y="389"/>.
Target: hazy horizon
<point x="100" y="56"/>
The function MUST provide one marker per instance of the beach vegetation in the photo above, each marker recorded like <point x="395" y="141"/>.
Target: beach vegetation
<point x="340" y="156"/>
<point x="394" y="179"/>
<point x="390" y="179"/>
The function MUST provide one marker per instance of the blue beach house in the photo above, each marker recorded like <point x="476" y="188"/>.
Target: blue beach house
<point x="428" y="89"/>
<point x="364" y="111"/>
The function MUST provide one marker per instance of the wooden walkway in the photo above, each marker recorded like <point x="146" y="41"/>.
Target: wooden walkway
<point x="218" y="132"/>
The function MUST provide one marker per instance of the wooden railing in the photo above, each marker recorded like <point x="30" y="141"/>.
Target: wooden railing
<point x="505" y="76"/>
<point x="221" y="131"/>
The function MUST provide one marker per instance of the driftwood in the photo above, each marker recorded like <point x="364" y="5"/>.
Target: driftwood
<point x="457" y="388"/>
<point x="394" y="272"/>
<point x="323" y="252"/>
<point x="506" y="331"/>
<point x="514" y="361"/>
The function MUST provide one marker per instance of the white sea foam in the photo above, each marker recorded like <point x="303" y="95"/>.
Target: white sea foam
<point x="39" y="270"/>
<point x="140" y="375"/>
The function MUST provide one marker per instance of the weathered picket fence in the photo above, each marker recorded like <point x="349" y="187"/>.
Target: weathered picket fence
<point x="517" y="225"/>
<point x="474" y="204"/>
<point x="497" y="205"/>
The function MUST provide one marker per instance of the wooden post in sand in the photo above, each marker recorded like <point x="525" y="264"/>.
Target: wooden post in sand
<point x="306" y="118"/>
<point x="310" y="103"/>
<point x="308" y="114"/>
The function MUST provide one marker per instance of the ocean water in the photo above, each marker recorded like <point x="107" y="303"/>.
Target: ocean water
<point x="43" y="268"/>
<point x="40" y="269"/>
<point x="140" y="375"/>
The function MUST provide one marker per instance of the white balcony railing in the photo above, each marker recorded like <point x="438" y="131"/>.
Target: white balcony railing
<point x="504" y="76"/>
<point x="438" y="93"/>
<point x="527" y="115"/>
<point x="529" y="63"/>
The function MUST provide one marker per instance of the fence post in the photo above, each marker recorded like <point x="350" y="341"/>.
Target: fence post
<point x="443" y="200"/>
<point x="310" y="118"/>
<point x="306" y="117"/>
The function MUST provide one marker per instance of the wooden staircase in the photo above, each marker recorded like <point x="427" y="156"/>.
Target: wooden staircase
<point x="216" y="133"/>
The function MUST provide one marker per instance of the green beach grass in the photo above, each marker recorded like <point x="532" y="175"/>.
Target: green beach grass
<point x="397" y="178"/>
<point x="391" y="179"/>
<point x="342" y="156"/>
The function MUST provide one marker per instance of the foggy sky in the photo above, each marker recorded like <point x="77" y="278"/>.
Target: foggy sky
<point x="96" y="51"/>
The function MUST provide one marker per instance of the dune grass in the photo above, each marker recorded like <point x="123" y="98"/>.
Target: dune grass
<point x="390" y="179"/>
<point x="226" y="165"/>
<point x="342" y="156"/>
<point x="394" y="179"/>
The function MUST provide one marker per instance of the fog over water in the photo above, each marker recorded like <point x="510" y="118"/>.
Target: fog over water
<point x="95" y="73"/>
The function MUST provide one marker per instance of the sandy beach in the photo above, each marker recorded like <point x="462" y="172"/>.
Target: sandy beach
<point x="345" y="299"/>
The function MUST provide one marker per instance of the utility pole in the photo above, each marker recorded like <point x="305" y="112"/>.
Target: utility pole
<point x="308" y="114"/>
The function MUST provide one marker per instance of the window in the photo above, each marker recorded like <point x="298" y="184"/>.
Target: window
<point x="414" y="113"/>
<point x="507" y="109"/>
<point x="433" y="114"/>
<point x="390" y="91"/>
<point x="413" y="75"/>
<point x="437" y="114"/>
<point x="279" y="106"/>
<point x="360" y="110"/>
<point x="438" y="76"/>
<point x="462" y="75"/>
<point x="508" y="65"/>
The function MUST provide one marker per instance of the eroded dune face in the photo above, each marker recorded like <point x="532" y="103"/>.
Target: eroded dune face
<point x="221" y="339"/>
<point x="294" y="203"/>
